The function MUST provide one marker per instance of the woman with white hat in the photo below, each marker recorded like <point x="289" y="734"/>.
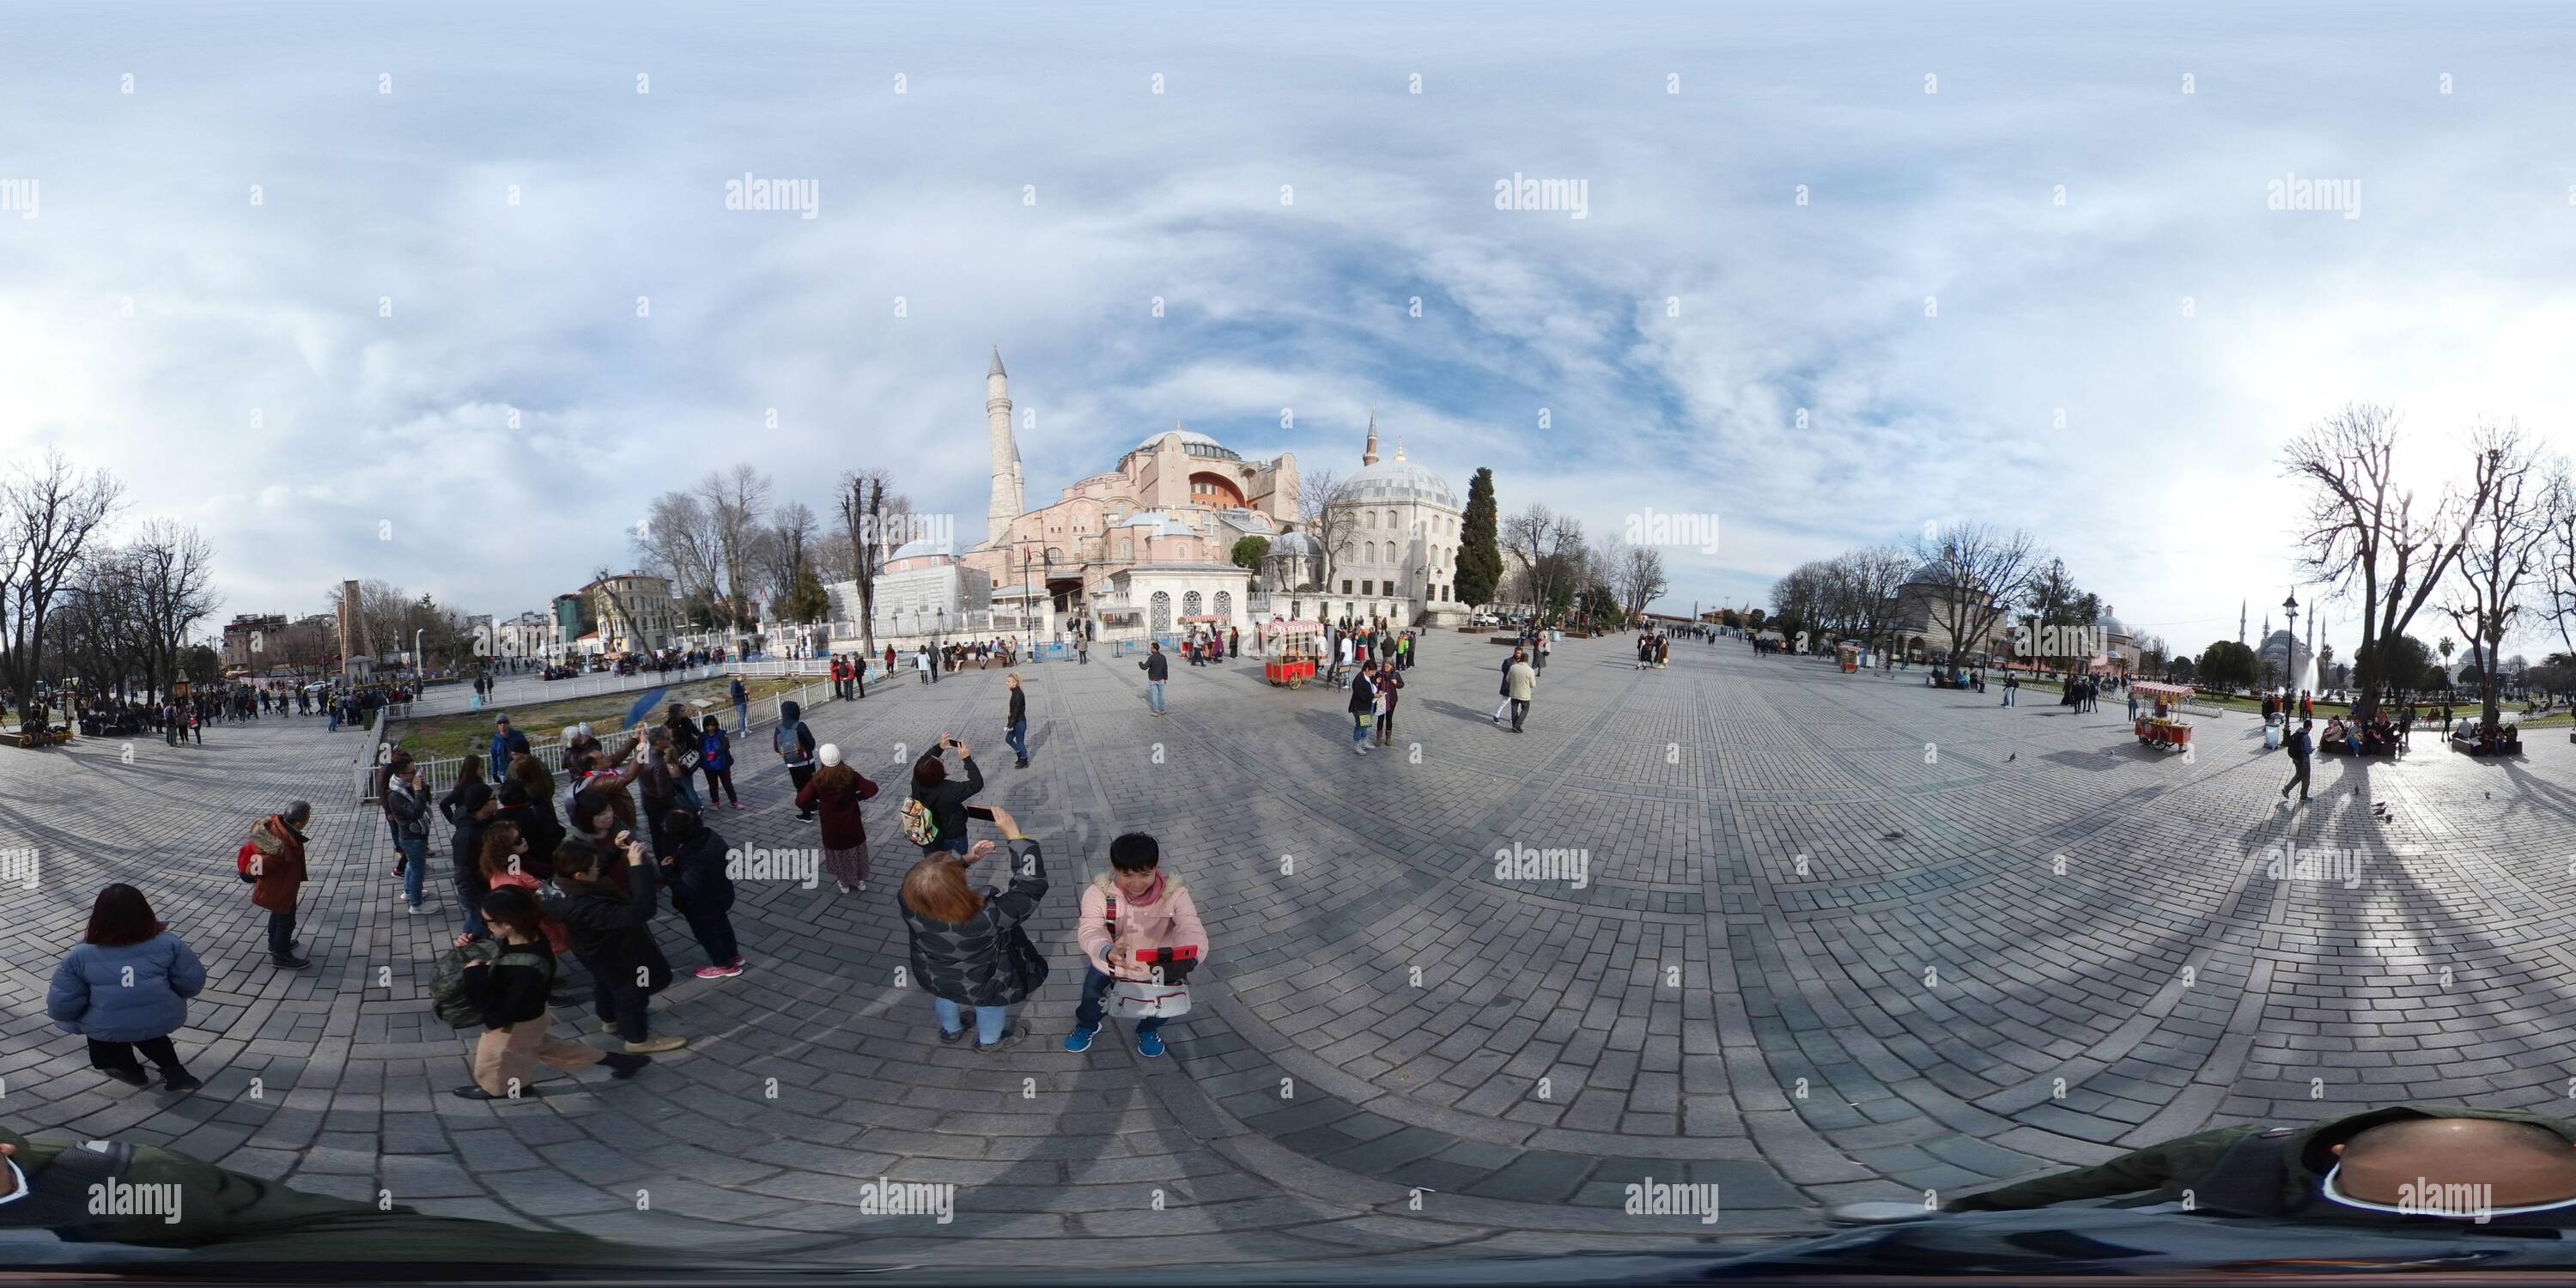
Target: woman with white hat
<point x="836" y="791"/>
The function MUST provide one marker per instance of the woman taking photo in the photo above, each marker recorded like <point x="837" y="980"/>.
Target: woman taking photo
<point x="835" y="791"/>
<point x="945" y="797"/>
<point x="125" y="986"/>
<point x="968" y="945"/>
<point x="702" y="891"/>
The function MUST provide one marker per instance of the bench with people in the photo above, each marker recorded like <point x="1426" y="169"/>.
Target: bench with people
<point x="2472" y="738"/>
<point x="2373" y="737"/>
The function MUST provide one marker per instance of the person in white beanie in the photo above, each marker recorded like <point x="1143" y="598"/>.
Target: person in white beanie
<point x="836" y="790"/>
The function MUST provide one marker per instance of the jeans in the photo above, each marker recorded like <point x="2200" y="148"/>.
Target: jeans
<point x="1019" y="738"/>
<point x="335" y="719"/>
<point x="619" y="1001"/>
<point x="1359" y="732"/>
<point x="989" y="1020"/>
<point x="1154" y="695"/>
<point x="1087" y="1012"/>
<point x="472" y="896"/>
<point x="715" y="934"/>
<point x="415" y="852"/>
<point x="281" y="936"/>
<point x="742" y="717"/>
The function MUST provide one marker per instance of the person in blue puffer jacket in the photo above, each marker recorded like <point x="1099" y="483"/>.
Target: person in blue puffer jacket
<point x="125" y="986"/>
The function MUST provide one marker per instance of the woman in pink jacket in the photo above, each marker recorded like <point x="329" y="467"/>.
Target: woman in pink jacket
<point x="1134" y="908"/>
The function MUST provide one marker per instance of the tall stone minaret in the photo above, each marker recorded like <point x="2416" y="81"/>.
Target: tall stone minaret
<point x="1369" y="457"/>
<point x="2240" y="604"/>
<point x="1006" y="454"/>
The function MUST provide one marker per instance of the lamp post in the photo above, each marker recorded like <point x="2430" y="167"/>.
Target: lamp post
<point x="1027" y="639"/>
<point x="2290" y="652"/>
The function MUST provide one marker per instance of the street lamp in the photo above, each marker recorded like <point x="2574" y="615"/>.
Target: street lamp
<point x="1026" y="639"/>
<point x="2290" y="653"/>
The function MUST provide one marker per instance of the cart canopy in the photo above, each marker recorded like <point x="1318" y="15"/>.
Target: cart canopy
<point x="2174" y="692"/>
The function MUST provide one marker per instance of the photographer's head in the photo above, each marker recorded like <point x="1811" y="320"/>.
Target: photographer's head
<point x="2514" y="1164"/>
<point x="1135" y="862"/>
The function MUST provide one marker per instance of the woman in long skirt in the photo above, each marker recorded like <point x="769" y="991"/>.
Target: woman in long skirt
<point x="835" y="791"/>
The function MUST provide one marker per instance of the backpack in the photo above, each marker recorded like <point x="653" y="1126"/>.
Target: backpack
<point x="918" y="826"/>
<point x="242" y="861"/>
<point x="447" y="987"/>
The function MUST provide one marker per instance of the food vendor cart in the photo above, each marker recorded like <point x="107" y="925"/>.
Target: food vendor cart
<point x="1290" y="648"/>
<point x="2160" y="723"/>
<point x="1851" y="656"/>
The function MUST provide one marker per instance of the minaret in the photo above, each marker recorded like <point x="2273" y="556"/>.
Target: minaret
<point x="1369" y="457"/>
<point x="2240" y="604"/>
<point x="1006" y="454"/>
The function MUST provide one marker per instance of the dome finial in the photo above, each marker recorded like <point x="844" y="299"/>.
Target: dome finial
<point x="1399" y="449"/>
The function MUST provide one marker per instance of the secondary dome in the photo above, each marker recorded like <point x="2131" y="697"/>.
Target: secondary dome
<point x="1400" y="480"/>
<point x="918" y="549"/>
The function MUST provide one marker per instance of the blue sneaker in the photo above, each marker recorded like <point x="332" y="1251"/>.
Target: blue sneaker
<point x="1079" y="1039"/>
<point x="1148" y="1045"/>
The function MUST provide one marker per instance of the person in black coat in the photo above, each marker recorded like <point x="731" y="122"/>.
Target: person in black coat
<point x="701" y="891"/>
<point x="968" y="946"/>
<point x="1363" y="703"/>
<point x="509" y="993"/>
<point x="468" y="807"/>
<point x="611" y="928"/>
<point x="946" y="797"/>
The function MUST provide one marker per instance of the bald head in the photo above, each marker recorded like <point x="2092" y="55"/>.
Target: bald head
<point x="2518" y="1163"/>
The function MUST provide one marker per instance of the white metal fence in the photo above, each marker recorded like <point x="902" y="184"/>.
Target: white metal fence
<point x="439" y="775"/>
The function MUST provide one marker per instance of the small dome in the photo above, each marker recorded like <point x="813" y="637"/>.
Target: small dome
<point x="1293" y="545"/>
<point x="1400" y="480"/>
<point x="918" y="549"/>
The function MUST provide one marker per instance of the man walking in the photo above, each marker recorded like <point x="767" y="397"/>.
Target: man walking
<point x="1505" y="688"/>
<point x="741" y="697"/>
<point x="1523" y="682"/>
<point x="1018" y="720"/>
<point x="1157" y="669"/>
<point x="2301" y="747"/>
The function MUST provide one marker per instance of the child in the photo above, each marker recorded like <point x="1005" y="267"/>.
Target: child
<point x="1133" y="907"/>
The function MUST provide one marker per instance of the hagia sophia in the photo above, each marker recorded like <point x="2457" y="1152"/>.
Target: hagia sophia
<point x="1146" y="547"/>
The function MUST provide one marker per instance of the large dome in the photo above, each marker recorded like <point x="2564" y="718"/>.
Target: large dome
<point x="1192" y="442"/>
<point x="1400" y="480"/>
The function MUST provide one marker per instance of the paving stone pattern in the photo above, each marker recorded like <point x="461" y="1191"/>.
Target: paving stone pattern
<point x="1833" y="937"/>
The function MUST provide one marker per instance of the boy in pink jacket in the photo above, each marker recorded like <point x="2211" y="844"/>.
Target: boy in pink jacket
<point x="1133" y="908"/>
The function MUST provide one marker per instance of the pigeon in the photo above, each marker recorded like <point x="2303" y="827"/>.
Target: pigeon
<point x="2011" y="758"/>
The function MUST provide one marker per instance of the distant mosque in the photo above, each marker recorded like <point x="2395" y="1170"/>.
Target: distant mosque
<point x="1147" y="548"/>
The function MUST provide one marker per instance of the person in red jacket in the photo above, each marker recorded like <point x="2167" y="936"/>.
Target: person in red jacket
<point x="835" y="791"/>
<point x="272" y="860"/>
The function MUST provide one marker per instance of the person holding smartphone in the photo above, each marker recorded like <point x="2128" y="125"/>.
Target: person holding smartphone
<point x="969" y="947"/>
<point x="946" y="797"/>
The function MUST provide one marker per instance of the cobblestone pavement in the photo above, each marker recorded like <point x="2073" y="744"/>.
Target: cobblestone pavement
<point x="1835" y="937"/>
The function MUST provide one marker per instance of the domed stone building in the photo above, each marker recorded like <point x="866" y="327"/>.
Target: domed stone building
<point x="1396" y="543"/>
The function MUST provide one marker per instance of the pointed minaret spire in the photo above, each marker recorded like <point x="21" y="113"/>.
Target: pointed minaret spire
<point x="996" y="368"/>
<point x="1369" y="457"/>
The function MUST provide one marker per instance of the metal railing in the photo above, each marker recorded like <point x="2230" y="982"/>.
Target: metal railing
<point x="440" y="774"/>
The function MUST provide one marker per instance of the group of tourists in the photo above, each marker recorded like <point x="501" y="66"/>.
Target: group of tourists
<point x="1654" y="648"/>
<point x="1350" y="642"/>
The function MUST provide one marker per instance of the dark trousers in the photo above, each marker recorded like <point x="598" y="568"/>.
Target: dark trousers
<point x="281" y="936"/>
<point x="721" y="778"/>
<point x="1087" y="1012"/>
<point x="715" y="934"/>
<point x="2298" y="779"/>
<point x="1520" y="711"/>
<point x="801" y="775"/>
<point x="120" y="1055"/>
<point x="619" y="1000"/>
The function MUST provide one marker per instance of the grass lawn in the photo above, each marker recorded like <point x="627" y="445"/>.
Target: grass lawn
<point x="439" y="737"/>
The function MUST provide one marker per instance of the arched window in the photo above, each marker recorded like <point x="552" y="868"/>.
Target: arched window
<point x="1390" y="518"/>
<point x="1162" y="612"/>
<point x="1368" y="552"/>
<point x="1225" y="605"/>
<point x="1370" y="518"/>
<point x="1190" y="604"/>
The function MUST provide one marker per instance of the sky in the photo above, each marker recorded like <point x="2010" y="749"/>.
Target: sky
<point x="445" y="295"/>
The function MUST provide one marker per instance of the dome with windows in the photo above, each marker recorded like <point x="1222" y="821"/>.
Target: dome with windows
<point x="1400" y="480"/>
<point x="1192" y="443"/>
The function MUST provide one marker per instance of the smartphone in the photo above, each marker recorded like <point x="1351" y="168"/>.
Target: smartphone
<point x="979" y="811"/>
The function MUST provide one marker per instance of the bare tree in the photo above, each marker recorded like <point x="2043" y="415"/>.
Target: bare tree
<point x="1872" y="576"/>
<point x="49" y="516"/>
<point x="735" y="502"/>
<point x="678" y="540"/>
<point x="1547" y="545"/>
<point x="168" y="573"/>
<point x="785" y="548"/>
<point x="1322" y="499"/>
<point x="2365" y="534"/>
<point x="872" y="521"/>
<point x="2502" y="550"/>
<point x="1641" y="579"/>
<point x="1972" y="575"/>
